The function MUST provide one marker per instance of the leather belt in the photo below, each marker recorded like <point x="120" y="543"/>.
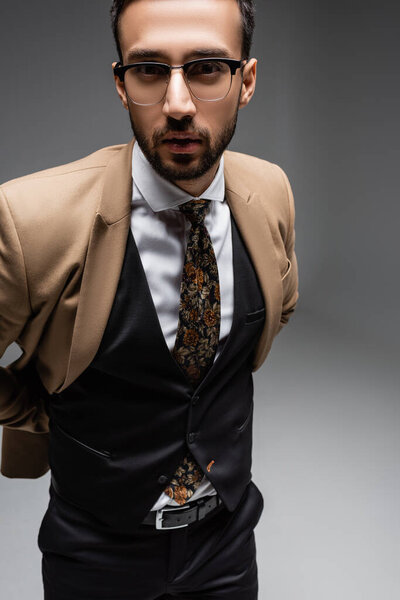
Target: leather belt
<point x="173" y="517"/>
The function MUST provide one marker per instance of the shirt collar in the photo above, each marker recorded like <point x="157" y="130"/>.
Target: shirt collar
<point x="161" y="194"/>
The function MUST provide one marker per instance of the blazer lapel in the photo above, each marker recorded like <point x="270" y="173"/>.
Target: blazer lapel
<point x="253" y="224"/>
<point x="106" y="253"/>
<point x="103" y="264"/>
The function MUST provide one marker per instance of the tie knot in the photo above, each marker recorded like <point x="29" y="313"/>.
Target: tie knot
<point x="195" y="210"/>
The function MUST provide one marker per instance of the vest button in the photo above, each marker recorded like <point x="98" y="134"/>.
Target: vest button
<point x="192" y="437"/>
<point x="162" y="479"/>
<point x="195" y="399"/>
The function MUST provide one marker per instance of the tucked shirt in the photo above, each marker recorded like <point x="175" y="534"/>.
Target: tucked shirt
<point x="161" y="232"/>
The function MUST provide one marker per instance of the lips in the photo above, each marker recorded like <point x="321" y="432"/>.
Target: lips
<point x="181" y="137"/>
<point x="182" y="143"/>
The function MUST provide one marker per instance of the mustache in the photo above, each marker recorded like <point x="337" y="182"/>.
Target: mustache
<point x="183" y="125"/>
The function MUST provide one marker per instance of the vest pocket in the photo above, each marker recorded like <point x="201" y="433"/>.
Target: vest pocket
<point x="243" y="426"/>
<point x="104" y="453"/>
<point x="254" y="316"/>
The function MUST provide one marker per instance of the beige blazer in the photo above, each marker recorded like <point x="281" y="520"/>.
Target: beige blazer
<point x="63" y="233"/>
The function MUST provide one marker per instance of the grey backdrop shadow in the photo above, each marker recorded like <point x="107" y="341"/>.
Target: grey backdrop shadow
<point x="326" y="430"/>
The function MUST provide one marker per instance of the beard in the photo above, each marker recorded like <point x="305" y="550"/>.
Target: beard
<point x="181" y="171"/>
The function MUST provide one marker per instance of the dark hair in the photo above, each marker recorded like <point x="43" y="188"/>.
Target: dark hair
<point x="247" y="10"/>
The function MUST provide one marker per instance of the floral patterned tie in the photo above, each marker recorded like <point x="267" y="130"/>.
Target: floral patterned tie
<point x="198" y="327"/>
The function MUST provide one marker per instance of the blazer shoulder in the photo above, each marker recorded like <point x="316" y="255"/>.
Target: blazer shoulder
<point x="247" y="174"/>
<point x="50" y="215"/>
<point x="246" y="163"/>
<point x="63" y="198"/>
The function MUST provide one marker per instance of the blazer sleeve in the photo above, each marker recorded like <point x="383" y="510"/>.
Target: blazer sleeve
<point x="290" y="281"/>
<point x="20" y="407"/>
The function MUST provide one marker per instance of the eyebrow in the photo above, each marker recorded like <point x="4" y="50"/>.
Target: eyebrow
<point x="150" y="53"/>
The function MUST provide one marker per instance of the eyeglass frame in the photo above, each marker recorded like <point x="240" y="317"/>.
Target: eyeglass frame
<point x="233" y="63"/>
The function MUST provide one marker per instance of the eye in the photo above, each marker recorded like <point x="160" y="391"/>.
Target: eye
<point x="146" y="70"/>
<point x="207" y="69"/>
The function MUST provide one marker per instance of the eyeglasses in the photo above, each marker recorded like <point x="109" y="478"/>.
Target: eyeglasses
<point x="208" y="79"/>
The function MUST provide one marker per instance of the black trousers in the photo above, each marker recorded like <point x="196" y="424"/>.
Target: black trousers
<point x="210" y="559"/>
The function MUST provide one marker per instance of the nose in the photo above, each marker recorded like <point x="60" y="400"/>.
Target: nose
<point x="178" y="101"/>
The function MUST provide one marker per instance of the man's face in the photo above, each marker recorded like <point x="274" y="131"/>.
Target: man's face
<point x="175" y="32"/>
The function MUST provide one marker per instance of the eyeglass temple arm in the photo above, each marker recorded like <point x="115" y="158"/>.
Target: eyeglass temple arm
<point x="117" y="71"/>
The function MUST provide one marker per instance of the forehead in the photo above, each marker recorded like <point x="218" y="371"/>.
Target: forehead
<point x="177" y="27"/>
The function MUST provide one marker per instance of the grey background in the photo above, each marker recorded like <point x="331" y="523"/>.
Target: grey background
<point x="326" y="429"/>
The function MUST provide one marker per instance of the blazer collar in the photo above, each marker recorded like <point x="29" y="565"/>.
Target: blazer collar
<point x="116" y="198"/>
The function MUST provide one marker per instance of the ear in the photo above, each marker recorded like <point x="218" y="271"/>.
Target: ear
<point x="249" y="82"/>
<point x="120" y="89"/>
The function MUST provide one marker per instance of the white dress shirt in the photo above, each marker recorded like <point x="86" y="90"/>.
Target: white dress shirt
<point x="160" y="231"/>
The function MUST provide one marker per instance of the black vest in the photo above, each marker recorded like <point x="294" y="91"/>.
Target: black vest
<point x="118" y="432"/>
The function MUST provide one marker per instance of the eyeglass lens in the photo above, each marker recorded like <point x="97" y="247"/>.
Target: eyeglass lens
<point x="208" y="80"/>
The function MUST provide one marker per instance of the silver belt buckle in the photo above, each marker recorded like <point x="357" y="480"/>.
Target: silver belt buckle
<point x="159" y="517"/>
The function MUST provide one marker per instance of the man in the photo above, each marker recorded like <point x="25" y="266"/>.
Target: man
<point x="145" y="283"/>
